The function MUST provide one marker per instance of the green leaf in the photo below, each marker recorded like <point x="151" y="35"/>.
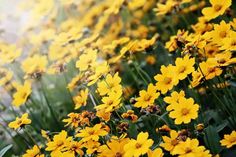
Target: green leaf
<point x="5" y="149"/>
<point x="211" y="139"/>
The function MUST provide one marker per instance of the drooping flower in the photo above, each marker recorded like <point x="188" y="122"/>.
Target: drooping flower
<point x="20" y="122"/>
<point x="229" y="140"/>
<point x="135" y="148"/>
<point x="22" y="94"/>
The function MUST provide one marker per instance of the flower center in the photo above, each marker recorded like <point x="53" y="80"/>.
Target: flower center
<point x="217" y="7"/>
<point x="91" y="132"/>
<point x="223" y="34"/>
<point x="182" y="69"/>
<point x="167" y="80"/>
<point x="138" y="145"/>
<point x="147" y="97"/>
<point x="174" y="142"/>
<point x="110" y="102"/>
<point x="185" y="111"/>
<point x="118" y="154"/>
<point x="188" y="150"/>
<point x="60" y="143"/>
<point x="233" y="43"/>
<point x="19" y="122"/>
<point x="232" y="140"/>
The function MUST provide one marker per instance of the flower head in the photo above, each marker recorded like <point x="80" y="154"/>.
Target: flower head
<point x="20" y="122"/>
<point x="229" y="140"/>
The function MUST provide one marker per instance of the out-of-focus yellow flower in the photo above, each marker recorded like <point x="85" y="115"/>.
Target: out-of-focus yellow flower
<point x="218" y="8"/>
<point x="229" y="140"/>
<point x="34" y="152"/>
<point x="22" y="93"/>
<point x="20" y="122"/>
<point x="34" y="65"/>
<point x="5" y="76"/>
<point x="81" y="98"/>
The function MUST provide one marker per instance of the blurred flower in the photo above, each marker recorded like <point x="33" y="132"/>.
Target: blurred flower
<point x="20" y="122"/>
<point x="229" y="140"/>
<point x="34" y="152"/>
<point x="22" y="93"/>
<point x="81" y="98"/>
<point x="218" y="8"/>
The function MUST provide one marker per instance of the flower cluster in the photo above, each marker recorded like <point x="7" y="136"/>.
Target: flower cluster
<point x="123" y="78"/>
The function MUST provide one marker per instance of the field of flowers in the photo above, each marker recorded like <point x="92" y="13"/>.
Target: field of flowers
<point x="120" y="78"/>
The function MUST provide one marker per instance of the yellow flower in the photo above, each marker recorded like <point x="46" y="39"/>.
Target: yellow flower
<point x="114" y="148"/>
<point x="110" y="102"/>
<point x="5" y="76"/>
<point x="209" y="70"/>
<point x="110" y="84"/>
<point x="22" y="94"/>
<point x="223" y="59"/>
<point x="92" y="146"/>
<point x="197" y="78"/>
<point x="100" y="70"/>
<point x="163" y="9"/>
<point x="167" y="80"/>
<point x="8" y="53"/>
<point x="147" y="98"/>
<point x="156" y="153"/>
<point x="34" y="65"/>
<point x="81" y="98"/>
<point x="184" y="111"/>
<point x="73" y="120"/>
<point x="189" y="148"/>
<point x="87" y="60"/>
<point x="229" y="140"/>
<point x="218" y="8"/>
<point x="60" y="142"/>
<point x="20" y="122"/>
<point x="135" y="148"/>
<point x="219" y="33"/>
<point x="229" y="43"/>
<point x="91" y="133"/>
<point x="173" y="99"/>
<point x="184" y="66"/>
<point x="34" y="152"/>
<point x="170" y="142"/>
<point x="74" y="82"/>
